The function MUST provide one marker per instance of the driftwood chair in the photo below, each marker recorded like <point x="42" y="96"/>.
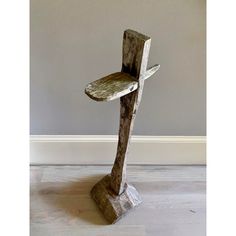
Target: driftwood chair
<point x="113" y="195"/>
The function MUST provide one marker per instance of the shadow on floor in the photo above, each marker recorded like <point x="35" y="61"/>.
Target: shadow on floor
<point x="72" y="200"/>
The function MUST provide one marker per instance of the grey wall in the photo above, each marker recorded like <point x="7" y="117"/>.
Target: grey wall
<point x="74" y="42"/>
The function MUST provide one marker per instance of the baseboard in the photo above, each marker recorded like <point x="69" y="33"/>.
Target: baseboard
<point x="101" y="149"/>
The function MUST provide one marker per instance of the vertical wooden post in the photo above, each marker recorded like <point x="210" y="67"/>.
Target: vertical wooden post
<point x="135" y="56"/>
<point x="113" y="195"/>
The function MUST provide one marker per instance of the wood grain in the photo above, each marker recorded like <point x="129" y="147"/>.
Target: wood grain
<point x="114" y="206"/>
<point x="174" y="201"/>
<point x="111" y="87"/>
<point x="136" y="48"/>
<point x="150" y="71"/>
<point x="112" y="194"/>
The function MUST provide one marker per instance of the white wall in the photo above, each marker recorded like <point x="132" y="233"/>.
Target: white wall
<point x="74" y="42"/>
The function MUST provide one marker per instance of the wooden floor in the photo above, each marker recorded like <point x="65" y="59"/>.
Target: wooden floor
<point x="173" y="202"/>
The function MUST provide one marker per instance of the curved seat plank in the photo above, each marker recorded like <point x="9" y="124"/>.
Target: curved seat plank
<point x="111" y="87"/>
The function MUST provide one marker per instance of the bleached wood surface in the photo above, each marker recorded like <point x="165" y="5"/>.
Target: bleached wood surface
<point x="173" y="201"/>
<point x="111" y="87"/>
<point x="135" y="54"/>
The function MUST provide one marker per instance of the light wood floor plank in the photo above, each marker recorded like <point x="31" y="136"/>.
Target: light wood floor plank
<point x="173" y="201"/>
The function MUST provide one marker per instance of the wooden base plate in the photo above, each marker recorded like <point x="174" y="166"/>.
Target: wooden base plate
<point x="114" y="206"/>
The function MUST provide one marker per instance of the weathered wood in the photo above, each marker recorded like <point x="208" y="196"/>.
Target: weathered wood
<point x="114" y="206"/>
<point x="112" y="194"/>
<point x="135" y="56"/>
<point x="150" y="71"/>
<point x="115" y="85"/>
<point x="111" y="87"/>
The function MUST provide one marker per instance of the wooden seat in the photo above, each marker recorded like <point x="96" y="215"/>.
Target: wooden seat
<point x="113" y="195"/>
<point x="111" y="87"/>
<point x="115" y="85"/>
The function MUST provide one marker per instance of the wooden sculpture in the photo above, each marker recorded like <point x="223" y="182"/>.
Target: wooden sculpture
<point x="113" y="195"/>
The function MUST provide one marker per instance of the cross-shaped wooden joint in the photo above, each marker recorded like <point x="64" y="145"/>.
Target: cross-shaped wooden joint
<point x="113" y="195"/>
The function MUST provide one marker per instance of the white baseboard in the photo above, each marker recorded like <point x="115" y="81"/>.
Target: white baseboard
<point x="101" y="149"/>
